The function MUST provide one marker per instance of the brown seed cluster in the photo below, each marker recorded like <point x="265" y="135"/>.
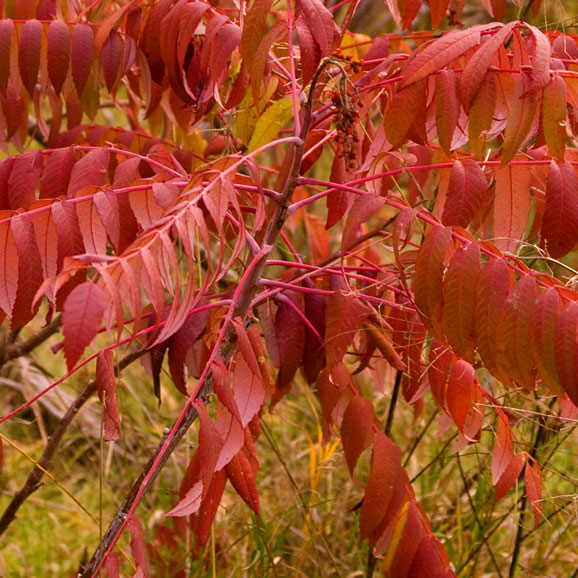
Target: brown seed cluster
<point x="345" y="101"/>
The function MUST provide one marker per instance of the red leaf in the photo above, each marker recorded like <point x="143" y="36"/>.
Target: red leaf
<point x="106" y="384"/>
<point x="509" y="477"/>
<point x="47" y="241"/>
<point x="466" y="193"/>
<point x="254" y="26"/>
<point x="320" y="21"/>
<point x="231" y="433"/>
<point x="89" y="170"/>
<point x="58" y="53"/>
<point x="6" y="30"/>
<point x="521" y="118"/>
<point x="29" y="53"/>
<point x="560" y="221"/>
<point x="383" y="478"/>
<point x="441" y="52"/>
<point x="190" y="503"/>
<point x="137" y="547"/>
<point x="248" y="390"/>
<point x="540" y="75"/>
<point x="112" y="564"/>
<point x="70" y="241"/>
<point x="474" y="73"/>
<point x="554" y="116"/>
<point x="83" y="311"/>
<point x="533" y="483"/>
<point x="512" y="204"/>
<point x="459" y="297"/>
<point x="493" y="289"/>
<point x="9" y="264"/>
<point x="240" y="472"/>
<point x="210" y="444"/>
<point x="543" y="337"/>
<point x="447" y="108"/>
<point x="91" y="228"/>
<point x="459" y="392"/>
<point x="404" y="107"/>
<point x="310" y="52"/>
<point x="56" y="173"/>
<point x="181" y="344"/>
<point x="364" y="207"/>
<point x="110" y="59"/>
<point x="345" y="316"/>
<point x="106" y="204"/>
<point x="82" y="55"/>
<point x="503" y="450"/>
<point x="516" y="345"/>
<point x="23" y="180"/>
<point x="29" y="270"/>
<point x="290" y="331"/>
<point x="566" y="349"/>
<point x="427" y="285"/>
<point x="356" y="430"/>
<point x="430" y="560"/>
<point x="209" y="507"/>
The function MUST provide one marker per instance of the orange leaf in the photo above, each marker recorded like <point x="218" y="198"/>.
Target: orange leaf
<point x="459" y="392"/>
<point x="509" y="477"/>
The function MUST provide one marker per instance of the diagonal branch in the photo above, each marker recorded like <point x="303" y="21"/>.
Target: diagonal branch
<point x="239" y="308"/>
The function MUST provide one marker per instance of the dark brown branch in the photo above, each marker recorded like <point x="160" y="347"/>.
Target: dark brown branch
<point x="164" y="448"/>
<point x="13" y="350"/>
<point x="33" y="481"/>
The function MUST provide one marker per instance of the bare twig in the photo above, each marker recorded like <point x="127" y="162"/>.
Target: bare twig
<point x="33" y="481"/>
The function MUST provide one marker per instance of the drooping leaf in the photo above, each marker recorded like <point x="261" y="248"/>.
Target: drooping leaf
<point x="58" y="53"/>
<point x="106" y="385"/>
<point x="23" y="180"/>
<point x="509" y="477"/>
<point x="560" y="221"/>
<point x="459" y="392"/>
<point x="533" y="483"/>
<point x="89" y="170"/>
<point x="83" y="312"/>
<point x="566" y="349"/>
<point x="209" y="506"/>
<point x="271" y="122"/>
<point x="503" y="450"/>
<point x="320" y="21"/>
<point x="356" y="430"/>
<point x="466" y="193"/>
<point x="248" y="390"/>
<point x="543" y="337"/>
<point x="210" y="444"/>
<point x="345" y="315"/>
<point x="9" y="265"/>
<point x="428" y="287"/>
<point x="137" y="547"/>
<point x="493" y="288"/>
<point x="447" y="108"/>
<point x="242" y="477"/>
<point x="438" y="9"/>
<point x="6" y="31"/>
<point x="383" y="477"/>
<point x="477" y="66"/>
<point x="512" y="204"/>
<point x="29" y="53"/>
<point x="554" y="116"/>
<point x="523" y="105"/>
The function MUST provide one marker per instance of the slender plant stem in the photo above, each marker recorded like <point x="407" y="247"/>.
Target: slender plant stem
<point x="540" y="433"/>
<point x="34" y="478"/>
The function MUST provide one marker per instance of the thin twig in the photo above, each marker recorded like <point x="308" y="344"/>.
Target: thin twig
<point x="34" y="478"/>
<point x="476" y="518"/>
<point x="12" y="350"/>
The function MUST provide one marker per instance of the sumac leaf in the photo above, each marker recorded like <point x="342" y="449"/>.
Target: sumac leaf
<point x="106" y="386"/>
